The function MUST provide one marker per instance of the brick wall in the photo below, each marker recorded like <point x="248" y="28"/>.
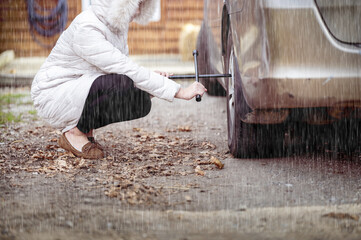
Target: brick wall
<point x="14" y="27"/>
<point x="155" y="38"/>
<point x="163" y="36"/>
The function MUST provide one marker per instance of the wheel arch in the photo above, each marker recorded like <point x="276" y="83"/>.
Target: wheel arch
<point x="225" y="26"/>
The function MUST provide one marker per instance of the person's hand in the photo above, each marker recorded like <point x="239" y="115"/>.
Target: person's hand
<point x="164" y="74"/>
<point x="190" y="92"/>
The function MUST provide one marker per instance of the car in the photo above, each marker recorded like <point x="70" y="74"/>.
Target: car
<point x="290" y="61"/>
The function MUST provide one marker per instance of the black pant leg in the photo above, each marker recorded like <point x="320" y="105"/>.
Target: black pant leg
<point x="113" y="98"/>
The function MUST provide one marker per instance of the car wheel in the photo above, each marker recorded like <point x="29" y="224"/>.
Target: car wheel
<point x="244" y="139"/>
<point x="238" y="131"/>
<point x="213" y="87"/>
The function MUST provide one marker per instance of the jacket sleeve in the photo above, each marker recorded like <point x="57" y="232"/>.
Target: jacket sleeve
<point x="91" y="44"/>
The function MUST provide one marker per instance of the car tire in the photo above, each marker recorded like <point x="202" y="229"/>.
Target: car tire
<point x="213" y="87"/>
<point x="247" y="140"/>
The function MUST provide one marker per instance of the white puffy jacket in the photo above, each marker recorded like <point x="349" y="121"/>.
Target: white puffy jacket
<point x="94" y="44"/>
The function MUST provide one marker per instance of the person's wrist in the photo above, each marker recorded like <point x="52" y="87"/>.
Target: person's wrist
<point x="179" y="94"/>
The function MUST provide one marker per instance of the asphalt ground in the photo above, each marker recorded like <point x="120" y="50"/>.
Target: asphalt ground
<point x="311" y="191"/>
<point x="308" y="193"/>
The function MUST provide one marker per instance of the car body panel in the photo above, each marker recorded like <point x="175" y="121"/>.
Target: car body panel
<point x="287" y="56"/>
<point x="342" y="18"/>
<point x="213" y="14"/>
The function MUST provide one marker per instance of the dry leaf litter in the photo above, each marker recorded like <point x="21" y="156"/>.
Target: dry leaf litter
<point x="124" y="171"/>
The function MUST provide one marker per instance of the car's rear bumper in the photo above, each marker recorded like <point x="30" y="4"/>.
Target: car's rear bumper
<point x="276" y="93"/>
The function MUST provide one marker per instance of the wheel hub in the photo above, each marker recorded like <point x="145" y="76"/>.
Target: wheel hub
<point x="231" y="96"/>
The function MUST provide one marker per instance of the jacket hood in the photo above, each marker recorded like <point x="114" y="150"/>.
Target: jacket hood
<point x="117" y="14"/>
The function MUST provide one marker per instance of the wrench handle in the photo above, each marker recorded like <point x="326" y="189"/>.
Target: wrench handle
<point x="195" y="55"/>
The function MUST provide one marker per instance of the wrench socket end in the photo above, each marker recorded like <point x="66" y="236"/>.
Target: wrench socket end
<point x="198" y="98"/>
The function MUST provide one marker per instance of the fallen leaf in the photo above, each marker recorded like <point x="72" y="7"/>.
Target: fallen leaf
<point x="38" y="156"/>
<point x="188" y="198"/>
<point x="51" y="147"/>
<point x="174" y="143"/>
<point x="68" y="154"/>
<point x="207" y="145"/>
<point x="82" y="163"/>
<point x="199" y="171"/>
<point x="342" y="216"/>
<point x="57" y="132"/>
<point x="50" y="156"/>
<point x="184" y="129"/>
<point x="61" y="163"/>
<point x="217" y="162"/>
<point x="113" y="193"/>
<point x="159" y="136"/>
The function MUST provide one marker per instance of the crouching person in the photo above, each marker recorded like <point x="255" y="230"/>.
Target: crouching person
<point x="88" y="81"/>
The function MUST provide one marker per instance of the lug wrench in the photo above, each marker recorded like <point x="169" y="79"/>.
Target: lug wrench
<point x="198" y="76"/>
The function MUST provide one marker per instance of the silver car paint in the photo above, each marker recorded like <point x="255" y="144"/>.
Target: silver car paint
<point x="287" y="58"/>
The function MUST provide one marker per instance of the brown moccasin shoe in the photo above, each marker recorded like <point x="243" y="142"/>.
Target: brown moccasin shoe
<point x="88" y="151"/>
<point x="92" y="140"/>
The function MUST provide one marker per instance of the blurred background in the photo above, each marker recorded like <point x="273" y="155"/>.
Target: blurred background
<point x="26" y="39"/>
